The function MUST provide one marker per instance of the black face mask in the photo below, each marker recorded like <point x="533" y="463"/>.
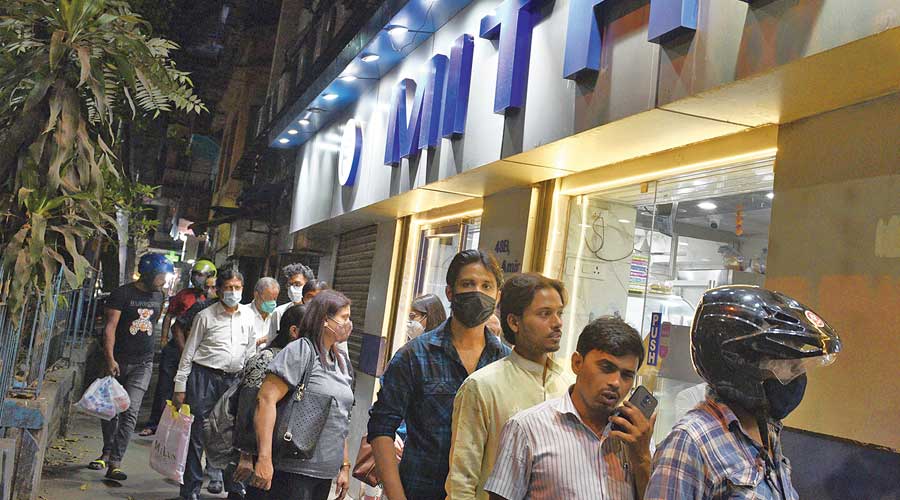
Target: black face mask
<point x="472" y="308"/>
<point x="783" y="399"/>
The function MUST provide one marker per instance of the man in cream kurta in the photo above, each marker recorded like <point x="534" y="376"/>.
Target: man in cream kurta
<point x="531" y="308"/>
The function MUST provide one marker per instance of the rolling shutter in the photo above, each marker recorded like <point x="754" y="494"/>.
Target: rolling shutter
<point x="352" y="273"/>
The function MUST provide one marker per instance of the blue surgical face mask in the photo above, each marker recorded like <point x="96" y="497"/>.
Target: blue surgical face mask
<point x="232" y="298"/>
<point x="267" y="306"/>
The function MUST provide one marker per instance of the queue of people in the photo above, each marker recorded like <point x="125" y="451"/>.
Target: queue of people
<point x="485" y="408"/>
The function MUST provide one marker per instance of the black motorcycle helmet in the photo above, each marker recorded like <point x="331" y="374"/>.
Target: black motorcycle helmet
<point x="744" y="335"/>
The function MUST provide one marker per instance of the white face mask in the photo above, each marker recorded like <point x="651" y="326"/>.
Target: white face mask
<point x="414" y="329"/>
<point x="232" y="298"/>
<point x="295" y="293"/>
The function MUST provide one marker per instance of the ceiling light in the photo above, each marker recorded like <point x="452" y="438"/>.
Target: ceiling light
<point x="348" y="78"/>
<point x="292" y="131"/>
<point x="624" y="221"/>
<point x="707" y="205"/>
<point x="770" y="195"/>
<point x="330" y="96"/>
<point x="283" y="140"/>
<point x="369" y="58"/>
<point x="303" y="121"/>
<point x="398" y="31"/>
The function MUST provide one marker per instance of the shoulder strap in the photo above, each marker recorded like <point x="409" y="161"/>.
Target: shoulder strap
<point x="311" y="351"/>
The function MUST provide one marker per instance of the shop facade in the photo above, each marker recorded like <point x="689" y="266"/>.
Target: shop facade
<point x="657" y="150"/>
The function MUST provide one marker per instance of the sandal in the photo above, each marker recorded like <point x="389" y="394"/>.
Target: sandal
<point x="147" y="432"/>
<point x="98" y="464"/>
<point x="116" y="474"/>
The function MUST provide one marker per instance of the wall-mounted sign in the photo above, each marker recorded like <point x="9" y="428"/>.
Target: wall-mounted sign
<point x="351" y="152"/>
<point x="653" y="342"/>
<point x="424" y="128"/>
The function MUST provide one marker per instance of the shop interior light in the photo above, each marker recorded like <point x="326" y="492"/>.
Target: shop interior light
<point x="770" y="195"/>
<point x="330" y="96"/>
<point x="624" y="221"/>
<point x="370" y="58"/>
<point x="292" y="131"/>
<point x="707" y="205"/>
<point x="284" y="140"/>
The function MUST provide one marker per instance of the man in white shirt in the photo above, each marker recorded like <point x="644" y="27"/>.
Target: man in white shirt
<point x="566" y="447"/>
<point x="260" y="311"/>
<point x="220" y="341"/>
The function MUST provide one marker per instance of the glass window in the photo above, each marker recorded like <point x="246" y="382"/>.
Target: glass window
<point x="437" y="247"/>
<point x="655" y="248"/>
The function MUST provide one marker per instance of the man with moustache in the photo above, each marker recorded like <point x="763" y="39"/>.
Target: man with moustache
<point x="565" y="447"/>
<point x="531" y="308"/>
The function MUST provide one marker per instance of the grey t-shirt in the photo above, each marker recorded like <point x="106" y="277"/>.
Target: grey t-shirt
<point x="329" y="378"/>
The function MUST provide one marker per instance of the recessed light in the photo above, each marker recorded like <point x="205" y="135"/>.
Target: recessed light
<point x="369" y="58"/>
<point x="770" y="195"/>
<point x="624" y="221"/>
<point x="330" y="96"/>
<point x="303" y="121"/>
<point x="284" y="140"/>
<point x="348" y="78"/>
<point x="292" y="131"/>
<point x="398" y="31"/>
<point x="707" y="205"/>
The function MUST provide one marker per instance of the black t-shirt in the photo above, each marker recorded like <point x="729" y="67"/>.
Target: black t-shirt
<point x="134" y="332"/>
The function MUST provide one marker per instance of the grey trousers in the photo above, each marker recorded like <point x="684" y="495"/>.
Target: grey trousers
<point x="135" y="378"/>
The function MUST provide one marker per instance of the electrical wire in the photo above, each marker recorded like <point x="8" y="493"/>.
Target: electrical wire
<point x="599" y="220"/>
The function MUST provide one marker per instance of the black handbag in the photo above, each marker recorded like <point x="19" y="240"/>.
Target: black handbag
<point x="301" y="416"/>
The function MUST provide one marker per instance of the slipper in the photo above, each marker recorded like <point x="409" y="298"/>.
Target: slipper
<point x="98" y="464"/>
<point x="147" y="432"/>
<point x="116" y="474"/>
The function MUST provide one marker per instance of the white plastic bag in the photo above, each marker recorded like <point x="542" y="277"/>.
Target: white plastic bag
<point x="105" y="398"/>
<point x="170" y="446"/>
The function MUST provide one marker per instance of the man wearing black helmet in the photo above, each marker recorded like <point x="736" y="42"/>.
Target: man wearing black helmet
<point x="753" y="347"/>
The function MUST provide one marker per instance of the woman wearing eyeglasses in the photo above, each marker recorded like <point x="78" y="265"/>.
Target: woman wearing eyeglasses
<point x="425" y="314"/>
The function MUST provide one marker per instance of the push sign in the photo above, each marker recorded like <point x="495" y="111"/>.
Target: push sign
<point x="653" y="345"/>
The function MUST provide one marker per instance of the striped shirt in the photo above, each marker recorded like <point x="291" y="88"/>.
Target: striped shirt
<point x="708" y="456"/>
<point x="548" y="452"/>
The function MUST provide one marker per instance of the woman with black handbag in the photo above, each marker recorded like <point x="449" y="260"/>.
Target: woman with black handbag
<point x="303" y="410"/>
<point x="251" y="380"/>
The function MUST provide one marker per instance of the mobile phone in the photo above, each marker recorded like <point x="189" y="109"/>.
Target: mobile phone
<point x="643" y="400"/>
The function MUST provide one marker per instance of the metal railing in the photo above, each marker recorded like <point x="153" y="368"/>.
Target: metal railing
<point x="48" y="330"/>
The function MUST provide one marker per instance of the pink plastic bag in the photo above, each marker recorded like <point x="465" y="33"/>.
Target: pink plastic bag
<point x="170" y="446"/>
<point x="105" y="398"/>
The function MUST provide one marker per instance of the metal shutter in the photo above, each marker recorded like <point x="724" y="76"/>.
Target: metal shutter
<point x="352" y="272"/>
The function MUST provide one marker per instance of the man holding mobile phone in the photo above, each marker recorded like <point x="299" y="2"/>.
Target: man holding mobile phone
<point x="565" y="447"/>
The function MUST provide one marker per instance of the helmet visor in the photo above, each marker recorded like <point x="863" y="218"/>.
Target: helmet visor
<point x="786" y="370"/>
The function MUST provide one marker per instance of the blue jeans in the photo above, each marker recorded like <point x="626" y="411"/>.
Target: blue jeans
<point x="135" y="378"/>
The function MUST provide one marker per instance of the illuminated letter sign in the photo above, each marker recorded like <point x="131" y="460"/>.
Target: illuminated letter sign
<point x="425" y="128"/>
<point x="351" y="150"/>
<point x="513" y="23"/>
<point x="668" y="19"/>
<point x="456" y="103"/>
